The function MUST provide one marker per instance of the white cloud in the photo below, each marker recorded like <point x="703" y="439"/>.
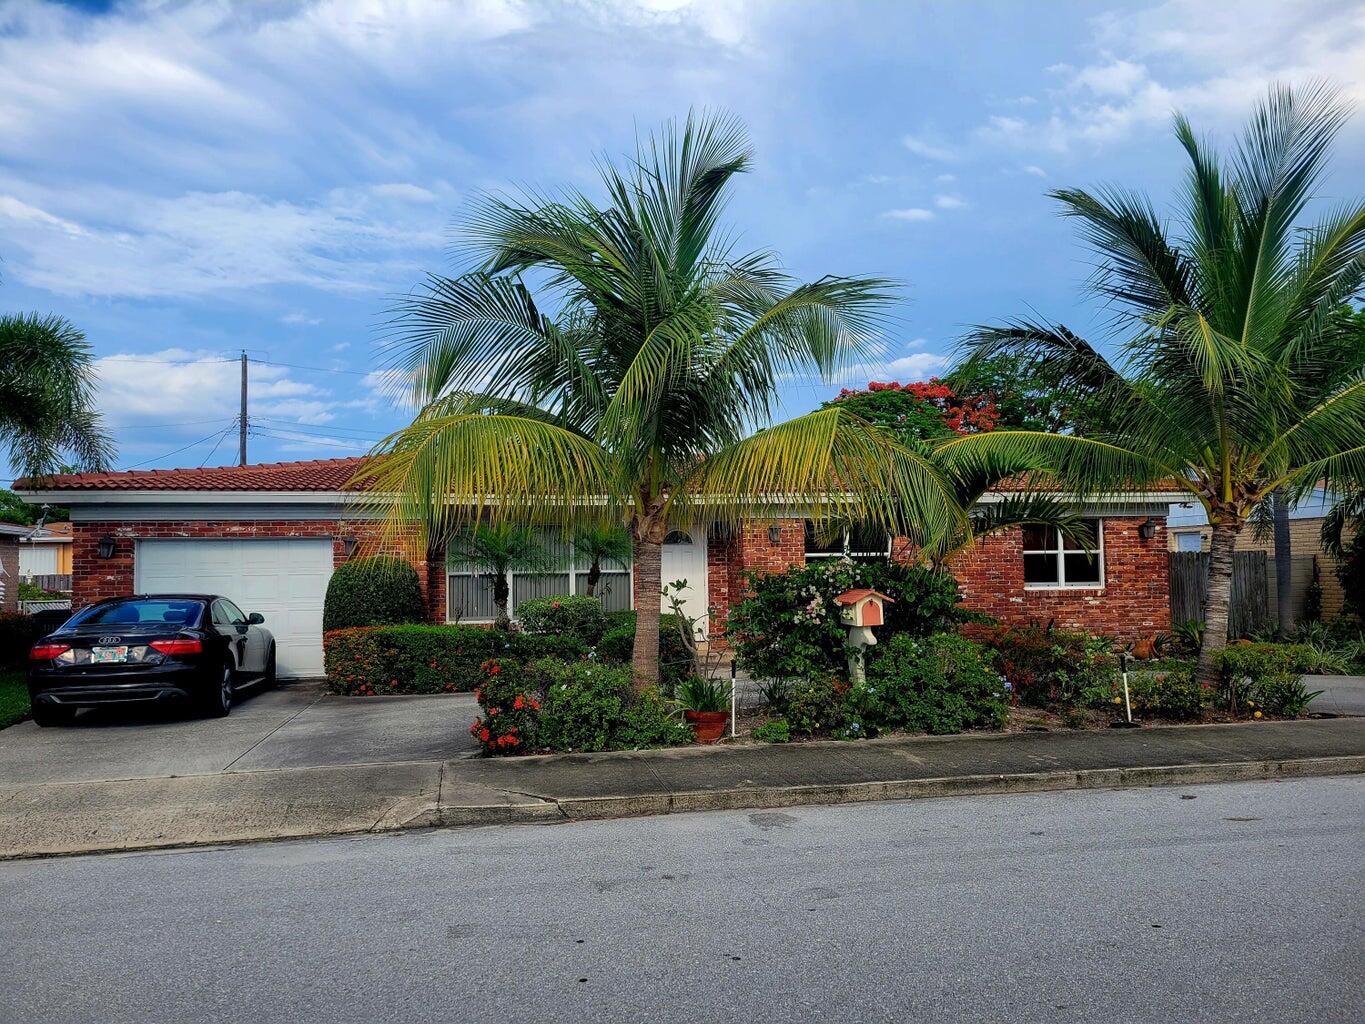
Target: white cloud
<point x="946" y="179"/>
<point x="341" y="346"/>
<point x="949" y="202"/>
<point x="1034" y="170"/>
<point x="913" y="213"/>
<point x="298" y="318"/>
<point x="929" y="148"/>
<point x="405" y="191"/>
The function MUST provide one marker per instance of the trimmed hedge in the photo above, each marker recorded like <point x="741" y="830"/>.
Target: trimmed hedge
<point x="429" y="659"/>
<point x="372" y="592"/>
<point x="581" y="617"/>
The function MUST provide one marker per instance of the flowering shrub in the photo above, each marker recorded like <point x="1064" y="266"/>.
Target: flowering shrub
<point x="584" y="702"/>
<point x="511" y="708"/>
<point x="580" y="617"/>
<point x="789" y="627"/>
<point x="815" y="706"/>
<point x="921" y="410"/>
<point x="428" y="659"/>
<point x="1265" y="677"/>
<point x="937" y="684"/>
<point x="1050" y="666"/>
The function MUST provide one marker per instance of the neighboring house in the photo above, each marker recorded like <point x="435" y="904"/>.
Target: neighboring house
<point x="268" y="536"/>
<point x="46" y="551"/>
<point x="9" y="565"/>
<point x="1188" y="530"/>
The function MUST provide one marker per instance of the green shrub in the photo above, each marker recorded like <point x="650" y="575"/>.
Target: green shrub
<point x="372" y="592"/>
<point x="815" y="706"/>
<point x="581" y="617"/>
<point x="1283" y="695"/>
<point x="937" y="684"/>
<point x="583" y="703"/>
<point x="650" y="721"/>
<point x="618" y="642"/>
<point x="428" y="659"/>
<point x="789" y="627"/>
<point x="1265" y="677"/>
<point x="776" y="730"/>
<point x="511" y="708"/>
<point x="1050" y="666"/>
<point x="1172" y="694"/>
<point x="17" y="634"/>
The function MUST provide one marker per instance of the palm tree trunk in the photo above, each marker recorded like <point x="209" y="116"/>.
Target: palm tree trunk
<point x="501" y="593"/>
<point x="1283" y="563"/>
<point x="648" y="569"/>
<point x="1219" y="601"/>
<point x="594" y="574"/>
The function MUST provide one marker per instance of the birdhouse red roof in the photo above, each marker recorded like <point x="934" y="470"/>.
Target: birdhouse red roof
<point x="854" y="596"/>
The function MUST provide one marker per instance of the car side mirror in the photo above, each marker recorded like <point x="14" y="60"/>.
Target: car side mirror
<point x="255" y="619"/>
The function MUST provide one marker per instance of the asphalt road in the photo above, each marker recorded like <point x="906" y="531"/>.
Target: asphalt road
<point x="1212" y="903"/>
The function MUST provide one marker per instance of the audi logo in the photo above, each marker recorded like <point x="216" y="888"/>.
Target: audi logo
<point x="110" y="639"/>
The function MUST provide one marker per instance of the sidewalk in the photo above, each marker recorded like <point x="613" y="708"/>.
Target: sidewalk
<point x="124" y="814"/>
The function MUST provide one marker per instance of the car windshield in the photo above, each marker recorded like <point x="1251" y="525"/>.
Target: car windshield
<point x="140" y="611"/>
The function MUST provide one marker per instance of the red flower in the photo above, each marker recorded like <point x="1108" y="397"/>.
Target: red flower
<point x="518" y="704"/>
<point x="484" y="735"/>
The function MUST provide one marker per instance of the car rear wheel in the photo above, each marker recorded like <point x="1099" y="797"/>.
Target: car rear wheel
<point x="217" y="700"/>
<point x="48" y="715"/>
<point x="270" y="672"/>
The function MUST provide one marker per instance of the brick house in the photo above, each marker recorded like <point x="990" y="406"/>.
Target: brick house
<point x="269" y="536"/>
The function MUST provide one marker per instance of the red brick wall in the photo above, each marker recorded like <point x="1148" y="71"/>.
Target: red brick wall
<point x="1134" y="601"/>
<point x="748" y="548"/>
<point x="95" y="578"/>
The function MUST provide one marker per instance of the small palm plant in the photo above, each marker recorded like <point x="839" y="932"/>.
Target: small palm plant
<point x="618" y="364"/>
<point x="496" y="550"/>
<point x="596" y="545"/>
<point x="1239" y="378"/>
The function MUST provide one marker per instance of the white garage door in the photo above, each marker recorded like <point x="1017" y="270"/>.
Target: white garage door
<point x="284" y="580"/>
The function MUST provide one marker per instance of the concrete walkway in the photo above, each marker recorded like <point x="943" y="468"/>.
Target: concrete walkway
<point x="1341" y="695"/>
<point x="45" y="818"/>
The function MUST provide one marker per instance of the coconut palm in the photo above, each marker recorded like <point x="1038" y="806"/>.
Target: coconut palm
<point x="496" y="550"/>
<point x="47" y="396"/>
<point x="618" y="364"/>
<point x="1238" y="379"/>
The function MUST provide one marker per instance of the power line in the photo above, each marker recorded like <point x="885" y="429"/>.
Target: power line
<point x="221" y="436"/>
<point x="186" y="448"/>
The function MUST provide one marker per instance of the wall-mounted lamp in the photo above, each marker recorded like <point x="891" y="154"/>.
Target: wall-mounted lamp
<point x="349" y="546"/>
<point x="774" y="533"/>
<point x="106" y="548"/>
<point x="1147" y="530"/>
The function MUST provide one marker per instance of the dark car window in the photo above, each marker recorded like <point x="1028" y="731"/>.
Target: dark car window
<point x="139" y="611"/>
<point x="225" y="613"/>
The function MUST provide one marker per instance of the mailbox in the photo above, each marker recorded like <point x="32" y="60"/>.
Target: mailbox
<point x="862" y="608"/>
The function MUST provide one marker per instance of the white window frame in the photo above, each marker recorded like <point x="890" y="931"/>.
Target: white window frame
<point x="1061" y="551"/>
<point x="1181" y="535"/>
<point x="846" y="553"/>
<point x="573" y="573"/>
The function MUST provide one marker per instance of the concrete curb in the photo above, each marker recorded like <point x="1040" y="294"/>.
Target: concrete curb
<point x="531" y="809"/>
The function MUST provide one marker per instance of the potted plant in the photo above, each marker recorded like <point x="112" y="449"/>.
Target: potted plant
<point x="706" y="706"/>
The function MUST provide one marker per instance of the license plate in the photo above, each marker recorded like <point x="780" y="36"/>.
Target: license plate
<point x="106" y="655"/>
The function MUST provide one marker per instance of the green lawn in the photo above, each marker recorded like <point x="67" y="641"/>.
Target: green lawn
<point x="13" y="697"/>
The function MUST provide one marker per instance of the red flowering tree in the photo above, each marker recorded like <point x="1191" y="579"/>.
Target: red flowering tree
<point x="921" y="410"/>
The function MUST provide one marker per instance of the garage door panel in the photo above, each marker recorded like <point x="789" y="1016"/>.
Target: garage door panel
<point x="285" y="580"/>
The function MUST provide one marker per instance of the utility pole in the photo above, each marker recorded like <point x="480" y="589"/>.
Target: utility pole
<point x="241" y="419"/>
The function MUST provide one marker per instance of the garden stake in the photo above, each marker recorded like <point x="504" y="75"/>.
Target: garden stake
<point x="1127" y="704"/>
<point x="733" y="698"/>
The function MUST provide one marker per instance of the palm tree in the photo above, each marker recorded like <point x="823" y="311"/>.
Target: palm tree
<point x="494" y="551"/>
<point x="634" y="384"/>
<point x="598" y="544"/>
<point x="47" y="396"/>
<point x="1238" y="380"/>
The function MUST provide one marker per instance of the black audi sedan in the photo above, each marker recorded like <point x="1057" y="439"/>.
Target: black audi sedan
<point x="157" y="647"/>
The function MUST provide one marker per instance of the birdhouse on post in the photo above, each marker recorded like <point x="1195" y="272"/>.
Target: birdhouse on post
<point x="861" y="610"/>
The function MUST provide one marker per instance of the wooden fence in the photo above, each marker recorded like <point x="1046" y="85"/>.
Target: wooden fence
<point x="1249" y="612"/>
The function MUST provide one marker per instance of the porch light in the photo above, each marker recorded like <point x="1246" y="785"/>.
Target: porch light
<point x="774" y="533"/>
<point x="349" y="546"/>
<point x="106" y="548"/>
<point x="1147" y="530"/>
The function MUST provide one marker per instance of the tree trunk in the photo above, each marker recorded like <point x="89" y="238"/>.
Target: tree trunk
<point x="594" y="574"/>
<point x="1219" y="601"/>
<point x="501" y="592"/>
<point x="648" y="568"/>
<point x="1283" y="563"/>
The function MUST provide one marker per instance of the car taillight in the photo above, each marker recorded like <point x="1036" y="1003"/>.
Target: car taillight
<point x="46" y="652"/>
<point x="177" y="646"/>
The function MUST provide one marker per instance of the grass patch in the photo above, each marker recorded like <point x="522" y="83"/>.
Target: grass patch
<point x="13" y="697"/>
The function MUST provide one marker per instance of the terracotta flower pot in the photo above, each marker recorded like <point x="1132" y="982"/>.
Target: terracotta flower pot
<point x="707" y="726"/>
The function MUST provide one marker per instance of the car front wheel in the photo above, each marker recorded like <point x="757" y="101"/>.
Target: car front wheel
<point x="217" y="699"/>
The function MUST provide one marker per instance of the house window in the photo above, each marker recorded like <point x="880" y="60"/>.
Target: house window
<point x="861" y="543"/>
<point x="1052" y="560"/>
<point x="469" y="592"/>
<point x="1189" y="540"/>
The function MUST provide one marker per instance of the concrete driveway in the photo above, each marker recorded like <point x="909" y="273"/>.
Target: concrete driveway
<point x="1341" y="695"/>
<point x="295" y="725"/>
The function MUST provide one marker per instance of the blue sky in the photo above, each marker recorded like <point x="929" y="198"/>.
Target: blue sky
<point x="185" y="180"/>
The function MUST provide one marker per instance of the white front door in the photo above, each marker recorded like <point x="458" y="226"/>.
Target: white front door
<point x="284" y="580"/>
<point x="684" y="558"/>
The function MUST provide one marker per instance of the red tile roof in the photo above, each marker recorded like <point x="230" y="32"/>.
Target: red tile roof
<point x="315" y="475"/>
